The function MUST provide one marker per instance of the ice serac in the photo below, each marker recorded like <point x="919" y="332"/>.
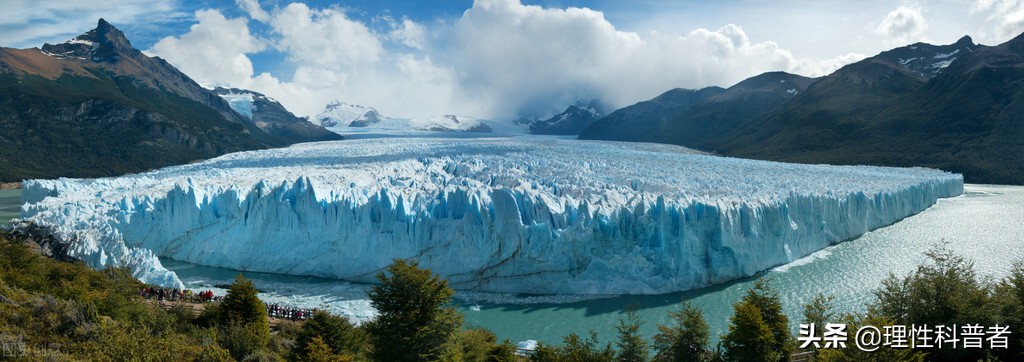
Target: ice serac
<point x="518" y="215"/>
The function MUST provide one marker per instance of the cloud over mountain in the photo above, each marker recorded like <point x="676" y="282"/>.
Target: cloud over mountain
<point x="499" y="57"/>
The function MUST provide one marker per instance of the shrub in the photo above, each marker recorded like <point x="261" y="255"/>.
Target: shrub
<point x="337" y="333"/>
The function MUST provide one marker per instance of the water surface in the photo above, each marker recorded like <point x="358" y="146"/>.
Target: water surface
<point x="10" y="205"/>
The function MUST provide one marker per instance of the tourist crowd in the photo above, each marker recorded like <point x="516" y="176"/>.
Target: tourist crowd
<point x="206" y="296"/>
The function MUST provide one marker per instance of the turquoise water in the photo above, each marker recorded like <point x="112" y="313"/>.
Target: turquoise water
<point x="10" y="205"/>
<point x="986" y="225"/>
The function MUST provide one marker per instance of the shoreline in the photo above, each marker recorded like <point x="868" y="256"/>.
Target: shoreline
<point x="10" y="185"/>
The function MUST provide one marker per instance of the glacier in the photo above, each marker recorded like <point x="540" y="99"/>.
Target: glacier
<point x="508" y="214"/>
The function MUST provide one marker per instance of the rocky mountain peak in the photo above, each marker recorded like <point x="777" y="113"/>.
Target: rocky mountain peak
<point x="104" y="43"/>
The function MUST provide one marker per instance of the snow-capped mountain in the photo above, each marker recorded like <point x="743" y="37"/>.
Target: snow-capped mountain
<point x="347" y="118"/>
<point x="929" y="60"/>
<point x="340" y="114"/>
<point x="573" y="120"/>
<point x="269" y="115"/>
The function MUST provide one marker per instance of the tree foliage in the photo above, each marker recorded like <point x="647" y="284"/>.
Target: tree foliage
<point x="575" y="349"/>
<point x="337" y="333"/>
<point x="415" y="320"/>
<point x="944" y="291"/>
<point x="759" y="330"/>
<point x="632" y="347"/>
<point x="685" y="338"/>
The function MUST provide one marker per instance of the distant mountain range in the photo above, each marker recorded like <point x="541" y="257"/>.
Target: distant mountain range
<point x="572" y="121"/>
<point x="344" y="117"/>
<point x="957" y="107"/>
<point x="96" y="106"/>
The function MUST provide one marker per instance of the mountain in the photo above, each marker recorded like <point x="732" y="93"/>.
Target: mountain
<point x="340" y="114"/>
<point x="956" y="107"/>
<point x="966" y="118"/>
<point x="347" y="118"/>
<point x="637" y="122"/>
<point x="96" y="106"/>
<point x="746" y="101"/>
<point x="572" y="121"/>
<point x="270" y="116"/>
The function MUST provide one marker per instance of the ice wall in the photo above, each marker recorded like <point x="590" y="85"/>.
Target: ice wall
<point x="522" y="215"/>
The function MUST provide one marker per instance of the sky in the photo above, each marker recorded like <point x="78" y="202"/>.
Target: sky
<point x="502" y="58"/>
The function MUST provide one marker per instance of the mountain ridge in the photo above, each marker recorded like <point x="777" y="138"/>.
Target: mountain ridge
<point x="95" y="106"/>
<point x="955" y="107"/>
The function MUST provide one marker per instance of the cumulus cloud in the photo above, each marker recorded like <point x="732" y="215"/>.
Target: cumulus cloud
<point x="409" y="33"/>
<point x="325" y="38"/>
<point x="255" y="11"/>
<point x="498" y="58"/>
<point x="1007" y="16"/>
<point x="903" y="25"/>
<point x="509" y="55"/>
<point x="214" y="51"/>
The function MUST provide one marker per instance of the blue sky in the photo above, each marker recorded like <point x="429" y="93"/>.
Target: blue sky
<point x="494" y="58"/>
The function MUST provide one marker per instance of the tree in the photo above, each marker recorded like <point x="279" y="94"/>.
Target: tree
<point x="945" y="291"/>
<point x="765" y="301"/>
<point x="749" y="337"/>
<point x="318" y="351"/>
<point x="336" y="332"/>
<point x="1009" y="299"/>
<point x="685" y="339"/>
<point x="575" y="349"/>
<point x="854" y="354"/>
<point x="819" y="311"/>
<point x="481" y="345"/>
<point x="415" y="319"/>
<point x="242" y="305"/>
<point x="244" y="328"/>
<point x="632" y="347"/>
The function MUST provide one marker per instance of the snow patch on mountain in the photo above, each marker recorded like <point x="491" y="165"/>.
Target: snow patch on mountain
<point x="942" y="64"/>
<point x="243" y="103"/>
<point x="523" y="215"/>
<point x="947" y="55"/>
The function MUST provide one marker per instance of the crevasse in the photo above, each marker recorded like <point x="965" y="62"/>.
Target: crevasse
<point x="517" y="215"/>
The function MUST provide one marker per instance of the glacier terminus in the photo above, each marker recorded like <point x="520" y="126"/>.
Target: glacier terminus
<point x="503" y="214"/>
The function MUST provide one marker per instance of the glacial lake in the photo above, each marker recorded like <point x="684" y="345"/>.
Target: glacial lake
<point x="986" y="225"/>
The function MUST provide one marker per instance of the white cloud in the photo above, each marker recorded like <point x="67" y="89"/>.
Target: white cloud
<point x="255" y="11"/>
<point x="510" y="55"/>
<point x="325" y="38"/>
<point x="903" y="25"/>
<point x="214" y="51"/>
<point x="1005" y="17"/>
<point x="410" y="33"/>
<point x="817" y="68"/>
<point x="497" y="59"/>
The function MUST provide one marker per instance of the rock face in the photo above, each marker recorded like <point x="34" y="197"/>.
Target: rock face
<point x="516" y="214"/>
<point x="96" y="106"/>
